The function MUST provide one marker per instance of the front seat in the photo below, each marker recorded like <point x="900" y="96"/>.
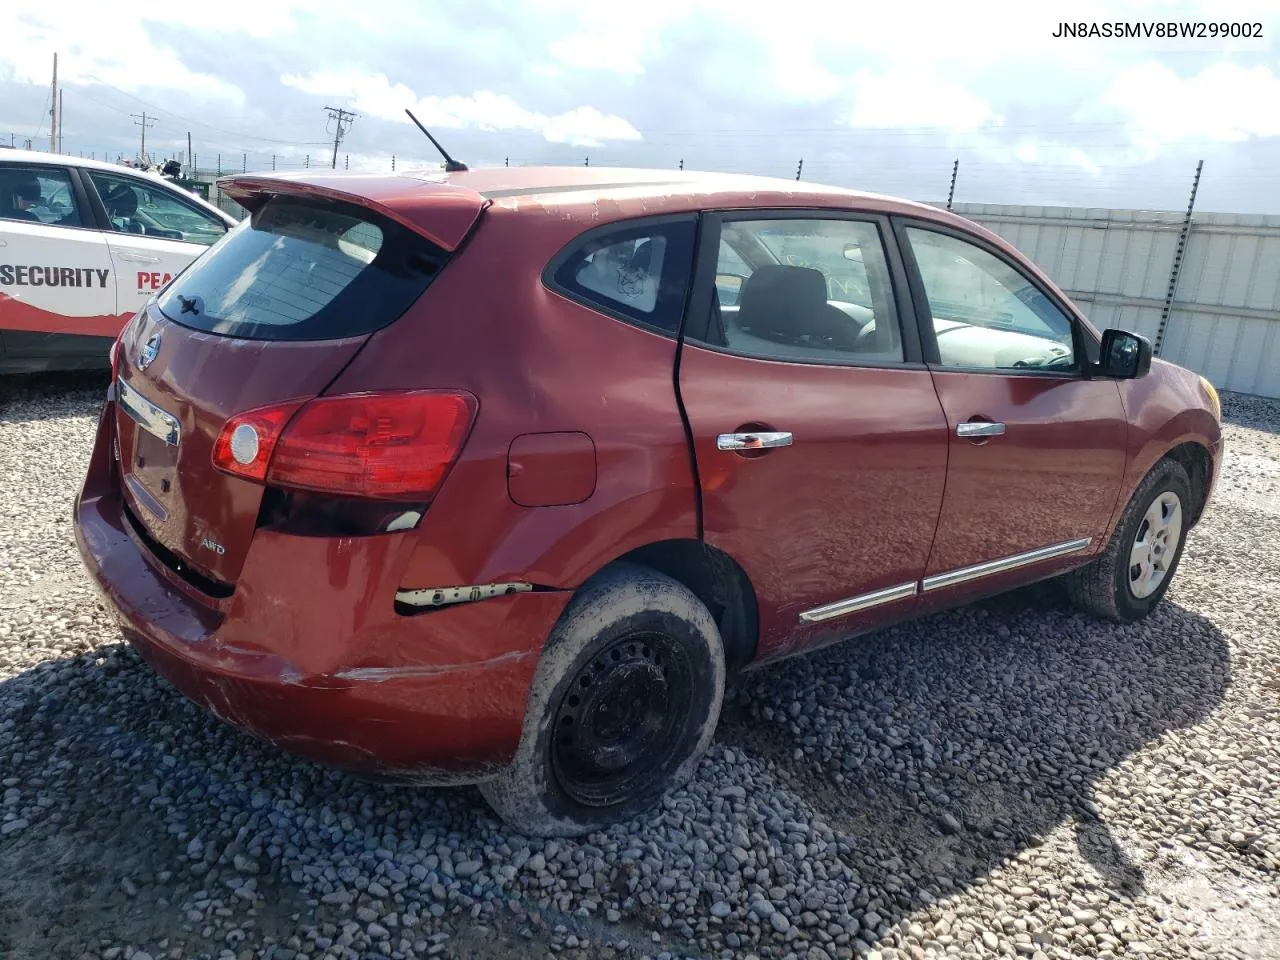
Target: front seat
<point x="789" y="305"/>
<point x="122" y="204"/>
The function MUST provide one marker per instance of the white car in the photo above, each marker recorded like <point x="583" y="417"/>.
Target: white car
<point x="83" y="245"/>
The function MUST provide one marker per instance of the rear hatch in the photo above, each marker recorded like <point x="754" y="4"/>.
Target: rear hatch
<point x="264" y="320"/>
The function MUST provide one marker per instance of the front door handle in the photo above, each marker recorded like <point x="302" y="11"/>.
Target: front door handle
<point x="979" y="428"/>
<point x="138" y="258"/>
<point x="752" y="441"/>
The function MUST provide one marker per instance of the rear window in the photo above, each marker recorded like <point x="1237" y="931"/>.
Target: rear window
<point x="304" y="269"/>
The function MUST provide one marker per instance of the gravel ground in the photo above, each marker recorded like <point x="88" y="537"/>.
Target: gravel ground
<point x="1011" y="779"/>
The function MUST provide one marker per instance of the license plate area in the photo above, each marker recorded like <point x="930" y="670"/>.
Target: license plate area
<point x="148" y="451"/>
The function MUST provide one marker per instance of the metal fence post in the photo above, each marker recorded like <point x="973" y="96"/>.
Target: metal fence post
<point x="1176" y="270"/>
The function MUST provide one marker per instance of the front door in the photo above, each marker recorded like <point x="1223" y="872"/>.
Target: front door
<point x="153" y="234"/>
<point x="1037" y="450"/>
<point x="819" y="441"/>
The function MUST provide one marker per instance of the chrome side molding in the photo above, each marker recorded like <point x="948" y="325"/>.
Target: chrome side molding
<point x="905" y="591"/>
<point x="865" y="601"/>
<point x="1004" y="564"/>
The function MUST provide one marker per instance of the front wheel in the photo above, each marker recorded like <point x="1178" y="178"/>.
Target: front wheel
<point x="624" y="702"/>
<point x="1126" y="581"/>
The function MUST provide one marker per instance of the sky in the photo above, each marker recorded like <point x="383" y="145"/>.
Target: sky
<point x="877" y="96"/>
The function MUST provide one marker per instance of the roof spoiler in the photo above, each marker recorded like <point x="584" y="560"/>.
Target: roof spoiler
<point x="442" y="212"/>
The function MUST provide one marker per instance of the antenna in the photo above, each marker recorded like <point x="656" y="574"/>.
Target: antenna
<point x="450" y="165"/>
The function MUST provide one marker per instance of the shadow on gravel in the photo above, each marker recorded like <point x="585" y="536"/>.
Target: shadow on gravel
<point x="947" y="746"/>
<point x="939" y="748"/>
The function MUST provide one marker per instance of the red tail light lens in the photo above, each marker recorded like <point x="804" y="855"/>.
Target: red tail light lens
<point x="386" y="446"/>
<point x="245" y="445"/>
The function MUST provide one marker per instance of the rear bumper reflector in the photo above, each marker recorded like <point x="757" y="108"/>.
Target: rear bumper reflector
<point x="443" y="596"/>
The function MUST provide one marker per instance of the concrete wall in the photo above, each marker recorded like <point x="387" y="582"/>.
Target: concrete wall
<point x="1116" y="264"/>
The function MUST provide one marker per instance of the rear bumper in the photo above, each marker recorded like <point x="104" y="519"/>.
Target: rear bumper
<point x="309" y="654"/>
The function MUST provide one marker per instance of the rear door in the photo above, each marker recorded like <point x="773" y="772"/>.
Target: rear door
<point x="272" y="314"/>
<point x="819" y="440"/>
<point x="153" y="233"/>
<point x="1038" y="449"/>
<point x="56" y="279"/>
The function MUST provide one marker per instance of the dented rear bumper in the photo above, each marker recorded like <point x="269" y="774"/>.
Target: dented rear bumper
<point x="309" y="653"/>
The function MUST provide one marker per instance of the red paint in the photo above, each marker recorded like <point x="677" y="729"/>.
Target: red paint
<point x="551" y="469"/>
<point x="19" y="315"/>
<point x="578" y="455"/>
<point x="153" y="281"/>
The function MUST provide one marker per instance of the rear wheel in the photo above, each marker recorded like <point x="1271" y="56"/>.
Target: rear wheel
<point x="1126" y="581"/>
<point x="624" y="703"/>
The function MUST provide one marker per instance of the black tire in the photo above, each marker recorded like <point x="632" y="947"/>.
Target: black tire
<point x="624" y="703"/>
<point x="1103" y="587"/>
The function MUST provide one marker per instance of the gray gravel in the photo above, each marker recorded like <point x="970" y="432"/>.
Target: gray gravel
<point x="1012" y="780"/>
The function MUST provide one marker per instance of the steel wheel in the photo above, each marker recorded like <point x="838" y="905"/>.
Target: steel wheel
<point x="619" y="720"/>
<point x="1155" y="545"/>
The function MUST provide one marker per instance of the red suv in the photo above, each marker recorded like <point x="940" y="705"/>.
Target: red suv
<point x="493" y="476"/>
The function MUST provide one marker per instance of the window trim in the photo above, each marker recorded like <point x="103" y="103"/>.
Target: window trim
<point x="627" y="225"/>
<point x="698" y="316"/>
<point x="88" y="216"/>
<point x="1083" y="345"/>
<point x="100" y="207"/>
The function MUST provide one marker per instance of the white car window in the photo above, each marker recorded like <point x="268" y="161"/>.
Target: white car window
<point x="134" y="206"/>
<point x="37" y="195"/>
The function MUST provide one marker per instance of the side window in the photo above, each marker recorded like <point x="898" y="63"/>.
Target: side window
<point x="134" y="206"/>
<point x="38" y="195"/>
<point x="810" y="290"/>
<point x="986" y="314"/>
<point x="640" y="272"/>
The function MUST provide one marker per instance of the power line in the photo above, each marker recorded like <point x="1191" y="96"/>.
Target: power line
<point x="341" y="116"/>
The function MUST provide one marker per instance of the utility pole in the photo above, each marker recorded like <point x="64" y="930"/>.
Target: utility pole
<point x="955" y="168"/>
<point x="143" y="121"/>
<point x="1177" y="263"/>
<point x="342" y="117"/>
<point x="53" y="109"/>
<point x="60" y="124"/>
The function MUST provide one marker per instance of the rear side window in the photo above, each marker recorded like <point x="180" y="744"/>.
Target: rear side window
<point x="38" y="195"/>
<point x="637" y="272"/>
<point x="304" y="270"/>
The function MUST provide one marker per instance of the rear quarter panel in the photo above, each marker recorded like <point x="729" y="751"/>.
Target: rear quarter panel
<point x="538" y="363"/>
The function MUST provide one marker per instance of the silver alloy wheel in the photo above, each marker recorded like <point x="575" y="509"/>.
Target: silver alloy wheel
<point x="1155" y="545"/>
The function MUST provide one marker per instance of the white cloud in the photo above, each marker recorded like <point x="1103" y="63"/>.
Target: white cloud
<point x="375" y="95"/>
<point x="587" y="51"/>
<point x="912" y="98"/>
<point x="1224" y="101"/>
<point x="98" y="45"/>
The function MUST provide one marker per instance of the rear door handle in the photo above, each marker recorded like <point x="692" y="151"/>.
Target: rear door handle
<point x="979" y="428"/>
<point x="752" y="441"/>
<point x="138" y="258"/>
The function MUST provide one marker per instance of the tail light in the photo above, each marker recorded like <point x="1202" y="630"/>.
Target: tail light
<point x="383" y="446"/>
<point x="115" y="355"/>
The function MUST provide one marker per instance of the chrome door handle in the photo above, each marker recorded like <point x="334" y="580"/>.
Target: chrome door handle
<point x="979" y="429"/>
<point x="138" y="258"/>
<point x="752" y="441"/>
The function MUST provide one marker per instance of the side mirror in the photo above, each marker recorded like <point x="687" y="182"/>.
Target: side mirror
<point x="729" y="286"/>
<point x="1124" y="355"/>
